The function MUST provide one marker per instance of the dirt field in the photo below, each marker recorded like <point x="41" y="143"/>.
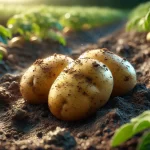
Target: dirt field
<point x="25" y="127"/>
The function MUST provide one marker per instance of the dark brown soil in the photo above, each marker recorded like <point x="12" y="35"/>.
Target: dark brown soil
<point x="25" y="127"/>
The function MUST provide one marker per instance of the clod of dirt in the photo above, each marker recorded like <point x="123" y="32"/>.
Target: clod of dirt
<point x="4" y="95"/>
<point x="9" y="78"/>
<point x="61" y="138"/>
<point x="12" y="59"/>
<point x="9" y="88"/>
<point x="82" y="135"/>
<point x="124" y="50"/>
<point x="20" y="114"/>
<point x="39" y="134"/>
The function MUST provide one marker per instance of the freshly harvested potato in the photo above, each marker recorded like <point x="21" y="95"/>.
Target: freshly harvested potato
<point x="17" y="42"/>
<point x="81" y="88"/>
<point x="37" y="80"/>
<point x="123" y="72"/>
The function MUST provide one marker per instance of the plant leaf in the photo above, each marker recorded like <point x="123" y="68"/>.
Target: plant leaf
<point x="147" y="17"/>
<point x="141" y="125"/>
<point x="3" y="39"/>
<point x="56" y="36"/>
<point x="5" y="32"/>
<point x="122" y="134"/>
<point x="145" y="142"/>
<point x="140" y="18"/>
<point x="1" y="56"/>
<point x="144" y="114"/>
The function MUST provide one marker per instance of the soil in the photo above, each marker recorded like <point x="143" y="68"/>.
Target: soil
<point x="27" y="127"/>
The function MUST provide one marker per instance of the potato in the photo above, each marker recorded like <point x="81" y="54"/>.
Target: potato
<point x="81" y="88"/>
<point x="37" y="80"/>
<point x="17" y="42"/>
<point x="123" y="72"/>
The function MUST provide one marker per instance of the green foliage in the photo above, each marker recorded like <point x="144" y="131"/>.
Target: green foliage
<point x="4" y="34"/>
<point x="36" y="23"/>
<point x="1" y="56"/>
<point x="128" y="130"/>
<point x="143" y="115"/>
<point x="47" y="22"/>
<point x="139" y="19"/>
<point x="79" y="17"/>
<point x="122" y="134"/>
<point x="145" y="142"/>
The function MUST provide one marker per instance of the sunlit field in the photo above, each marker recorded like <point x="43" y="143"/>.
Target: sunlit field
<point x="73" y="17"/>
<point x="74" y="75"/>
<point x="37" y="20"/>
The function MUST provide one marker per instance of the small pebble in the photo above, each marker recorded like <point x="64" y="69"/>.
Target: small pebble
<point x="20" y="114"/>
<point x="39" y="134"/>
<point x="82" y="135"/>
<point x="8" y="135"/>
<point x="16" y="137"/>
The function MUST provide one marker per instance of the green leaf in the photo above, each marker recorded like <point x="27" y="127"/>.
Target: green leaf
<point x="128" y="130"/>
<point x="144" y="114"/>
<point x="5" y="32"/>
<point x="147" y="17"/>
<point x="140" y="18"/>
<point x="56" y="36"/>
<point x="147" y="22"/>
<point x="141" y="125"/>
<point x="1" y="56"/>
<point x="58" y="26"/>
<point x="3" y="39"/>
<point x="132" y="23"/>
<point x="145" y="142"/>
<point x="122" y="134"/>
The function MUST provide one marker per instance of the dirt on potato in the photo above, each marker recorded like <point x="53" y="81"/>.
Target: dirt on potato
<point x="33" y="127"/>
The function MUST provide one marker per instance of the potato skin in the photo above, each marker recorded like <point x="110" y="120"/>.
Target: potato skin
<point x="123" y="72"/>
<point x="37" y="80"/>
<point x="81" y="88"/>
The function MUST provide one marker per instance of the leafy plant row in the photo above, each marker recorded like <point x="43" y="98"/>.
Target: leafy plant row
<point x="128" y="130"/>
<point x="139" y="19"/>
<point x="71" y="16"/>
<point x="36" y="23"/>
<point x="48" y="22"/>
<point x="78" y="18"/>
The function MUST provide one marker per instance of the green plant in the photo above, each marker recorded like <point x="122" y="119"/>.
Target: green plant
<point x="36" y="23"/>
<point x="139" y="19"/>
<point x="144" y="144"/>
<point x="47" y="22"/>
<point x="1" y="56"/>
<point x="130" y="129"/>
<point x="4" y="34"/>
<point x="91" y="17"/>
<point x="74" y="17"/>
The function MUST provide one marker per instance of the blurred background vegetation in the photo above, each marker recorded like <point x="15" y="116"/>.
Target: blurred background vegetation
<point x="51" y="18"/>
<point x="125" y="4"/>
